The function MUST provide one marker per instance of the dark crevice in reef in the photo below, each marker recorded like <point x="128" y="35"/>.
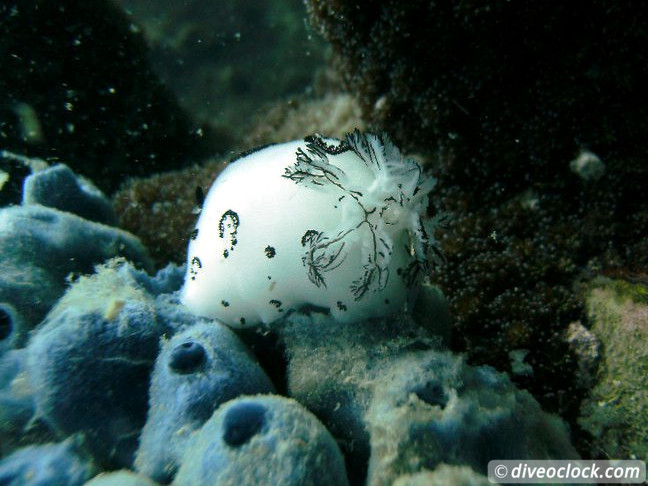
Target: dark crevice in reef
<point x="270" y="353"/>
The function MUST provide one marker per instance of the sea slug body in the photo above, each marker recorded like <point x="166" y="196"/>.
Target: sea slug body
<point x="319" y="223"/>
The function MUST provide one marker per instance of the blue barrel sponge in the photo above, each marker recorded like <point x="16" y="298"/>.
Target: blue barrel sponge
<point x="63" y="242"/>
<point x="430" y="407"/>
<point x="58" y="187"/>
<point x="197" y="370"/>
<point x="90" y="374"/>
<point x="46" y="465"/>
<point x="263" y="439"/>
<point x="16" y="402"/>
<point x="123" y="477"/>
<point x="90" y="362"/>
<point x="40" y="247"/>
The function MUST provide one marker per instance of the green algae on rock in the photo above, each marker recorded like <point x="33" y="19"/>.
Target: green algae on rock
<point x="616" y="411"/>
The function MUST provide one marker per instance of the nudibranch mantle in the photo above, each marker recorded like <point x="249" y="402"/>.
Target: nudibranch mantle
<point x="318" y="223"/>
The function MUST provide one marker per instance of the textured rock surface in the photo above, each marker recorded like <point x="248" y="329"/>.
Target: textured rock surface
<point x="331" y="114"/>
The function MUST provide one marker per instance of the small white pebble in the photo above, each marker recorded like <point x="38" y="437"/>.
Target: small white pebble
<point x="588" y="166"/>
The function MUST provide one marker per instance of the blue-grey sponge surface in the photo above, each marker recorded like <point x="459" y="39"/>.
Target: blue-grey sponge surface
<point x="46" y="465"/>
<point x="400" y="402"/>
<point x="58" y="187"/>
<point x="430" y="408"/>
<point x="16" y="398"/>
<point x="90" y="374"/>
<point x="262" y="439"/>
<point x="90" y="361"/>
<point x="120" y="478"/>
<point x="197" y="370"/>
<point x="41" y="246"/>
<point x="62" y="242"/>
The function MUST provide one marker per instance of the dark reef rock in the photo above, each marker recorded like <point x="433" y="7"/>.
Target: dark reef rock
<point x="499" y="87"/>
<point x="76" y="85"/>
<point x="502" y="97"/>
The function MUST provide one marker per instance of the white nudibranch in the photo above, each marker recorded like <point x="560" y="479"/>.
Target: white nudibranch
<point x="321" y="223"/>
